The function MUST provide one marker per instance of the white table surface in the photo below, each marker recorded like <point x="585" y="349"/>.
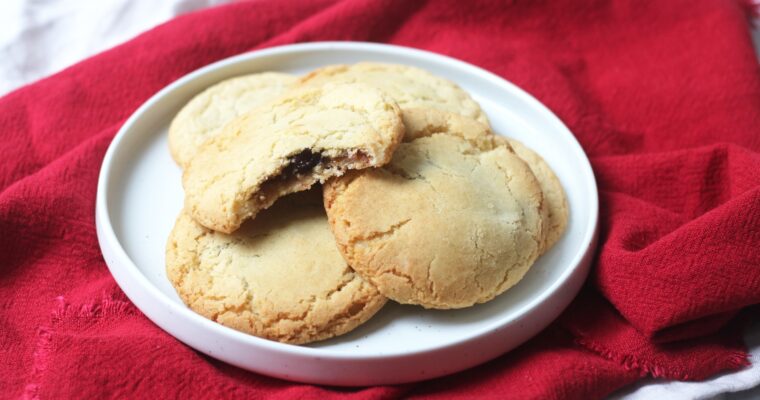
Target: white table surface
<point x="40" y="38"/>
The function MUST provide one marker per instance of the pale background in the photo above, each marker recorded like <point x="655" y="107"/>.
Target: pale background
<point x="38" y="38"/>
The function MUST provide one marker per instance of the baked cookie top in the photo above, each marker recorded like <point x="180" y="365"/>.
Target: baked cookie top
<point x="411" y="87"/>
<point x="554" y="196"/>
<point x="280" y="278"/>
<point x="205" y="114"/>
<point x="453" y="220"/>
<point x="306" y="136"/>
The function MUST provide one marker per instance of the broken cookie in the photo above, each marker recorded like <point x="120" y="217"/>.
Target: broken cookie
<point x="306" y="136"/>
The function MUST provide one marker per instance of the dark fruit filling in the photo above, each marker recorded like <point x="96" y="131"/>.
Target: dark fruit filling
<point x="302" y="162"/>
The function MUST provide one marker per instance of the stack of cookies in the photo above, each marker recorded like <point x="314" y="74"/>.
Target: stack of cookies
<point x="311" y="201"/>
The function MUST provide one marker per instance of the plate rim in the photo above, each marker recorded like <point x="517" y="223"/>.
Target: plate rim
<point x="107" y="236"/>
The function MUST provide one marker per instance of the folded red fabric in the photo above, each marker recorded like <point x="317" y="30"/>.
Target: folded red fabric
<point x="663" y="96"/>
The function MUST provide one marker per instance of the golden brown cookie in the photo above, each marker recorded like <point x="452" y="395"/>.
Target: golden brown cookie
<point x="306" y="136"/>
<point x="453" y="220"/>
<point x="207" y="113"/>
<point x="411" y="87"/>
<point x="280" y="278"/>
<point x="554" y="195"/>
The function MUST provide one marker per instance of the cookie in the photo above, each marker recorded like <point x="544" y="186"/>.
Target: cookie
<point x="453" y="220"/>
<point x="306" y="136"/>
<point x="280" y="278"/>
<point x="411" y="87"/>
<point x="554" y="195"/>
<point x="205" y="115"/>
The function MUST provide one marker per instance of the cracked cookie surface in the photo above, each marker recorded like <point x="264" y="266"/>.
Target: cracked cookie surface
<point x="555" y="221"/>
<point x="453" y="220"/>
<point x="281" y="278"/>
<point x="411" y="87"/>
<point x="205" y="115"/>
<point x="306" y="136"/>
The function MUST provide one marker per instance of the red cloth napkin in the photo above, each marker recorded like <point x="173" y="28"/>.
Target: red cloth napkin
<point x="663" y="95"/>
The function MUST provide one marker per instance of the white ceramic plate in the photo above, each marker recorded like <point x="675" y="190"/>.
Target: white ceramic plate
<point x="140" y="194"/>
